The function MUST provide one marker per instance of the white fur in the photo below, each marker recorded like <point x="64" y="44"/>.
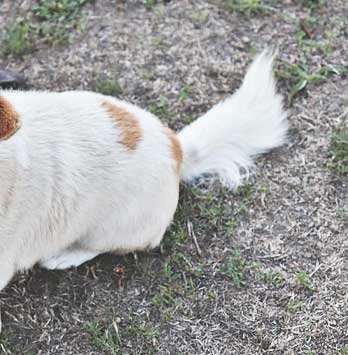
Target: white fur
<point x="226" y="139"/>
<point x="70" y="190"/>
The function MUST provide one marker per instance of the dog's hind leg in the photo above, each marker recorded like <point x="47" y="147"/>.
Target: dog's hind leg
<point x="70" y="257"/>
<point x="7" y="270"/>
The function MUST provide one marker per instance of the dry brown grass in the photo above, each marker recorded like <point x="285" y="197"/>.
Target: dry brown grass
<point x="272" y="277"/>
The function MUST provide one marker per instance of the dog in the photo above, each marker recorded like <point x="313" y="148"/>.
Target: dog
<point x="83" y="174"/>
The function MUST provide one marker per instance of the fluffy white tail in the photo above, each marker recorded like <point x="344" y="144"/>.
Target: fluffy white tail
<point x="225" y="140"/>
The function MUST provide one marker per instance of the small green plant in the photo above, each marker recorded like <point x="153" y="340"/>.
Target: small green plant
<point x="103" y="339"/>
<point x="5" y="346"/>
<point x="149" y="4"/>
<point x="17" y="39"/>
<point x="108" y="86"/>
<point x="274" y="278"/>
<point x="294" y="306"/>
<point x="343" y="350"/>
<point x="185" y="92"/>
<point x="200" y="17"/>
<point x="308" y="40"/>
<point x="342" y="213"/>
<point x="247" y="7"/>
<point x="56" y="18"/>
<point x="160" y="108"/>
<point x="312" y="4"/>
<point x="50" y="21"/>
<point x="338" y="151"/>
<point x="166" y="297"/>
<point x="300" y="75"/>
<point x="303" y="280"/>
<point x="109" y="340"/>
<point x="236" y="268"/>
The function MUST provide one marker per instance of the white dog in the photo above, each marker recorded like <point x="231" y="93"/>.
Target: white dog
<point x="82" y="174"/>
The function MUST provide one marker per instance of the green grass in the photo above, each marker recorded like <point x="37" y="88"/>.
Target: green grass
<point x="149" y="4"/>
<point x="343" y="350"/>
<point x="161" y="109"/>
<point x="57" y="18"/>
<point x="185" y="92"/>
<point x="108" y="86"/>
<point x="183" y="269"/>
<point x="104" y="340"/>
<point x="308" y="40"/>
<point x="236" y="268"/>
<point x="300" y="75"/>
<point x="50" y="22"/>
<point x="342" y="214"/>
<point x="208" y="208"/>
<point x="247" y="7"/>
<point x="312" y="4"/>
<point x="199" y="17"/>
<point x="304" y="280"/>
<point x="5" y="344"/>
<point x="17" y="39"/>
<point x="274" y="278"/>
<point x="109" y="339"/>
<point x="338" y="151"/>
<point x="294" y="306"/>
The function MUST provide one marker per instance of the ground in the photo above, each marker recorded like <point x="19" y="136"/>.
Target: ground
<point x="268" y="273"/>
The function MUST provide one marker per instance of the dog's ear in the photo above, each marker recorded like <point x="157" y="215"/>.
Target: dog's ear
<point x="9" y="119"/>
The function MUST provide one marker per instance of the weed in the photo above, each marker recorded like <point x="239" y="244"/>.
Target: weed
<point x="300" y="75"/>
<point x="161" y="108"/>
<point x="159" y="42"/>
<point x="274" y="278"/>
<point x="185" y="92"/>
<point x="312" y="4"/>
<point x="247" y="193"/>
<point x="139" y="329"/>
<point x="338" y="151"/>
<point x="103" y="339"/>
<point x="303" y="280"/>
<point x="16" y="40"/>
<point x="307" y="40"/>
<point x="294" y="306"/>
<point x="166" y="297"/>
<point x="48" y="21"/>
<point x="343" y="350"/>
<point x="57" y="18"/>
<point x="5" y="345"/>
<point x="247" y="7"/>
<point x="200" y="17"/>
<point x="236" y="268"/>
<point x="342" y="214"/>
<point x="108" y="86"/>
<point x="109" y="340"/>
<point x="149" y="4"/>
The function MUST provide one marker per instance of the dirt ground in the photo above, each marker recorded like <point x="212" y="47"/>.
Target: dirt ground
<point x="272" y="274"/>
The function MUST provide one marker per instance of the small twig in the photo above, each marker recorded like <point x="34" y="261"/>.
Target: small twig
<point x="306" y="29"/>
<point x="315" y="270"/>
<point x="192" y="234"/>
<point x="114" y="324"/>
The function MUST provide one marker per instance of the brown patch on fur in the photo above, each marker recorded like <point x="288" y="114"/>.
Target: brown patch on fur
<point x="9" y="119"/>
<point x="130" y="130"/>
<point x="175" y="148"/>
